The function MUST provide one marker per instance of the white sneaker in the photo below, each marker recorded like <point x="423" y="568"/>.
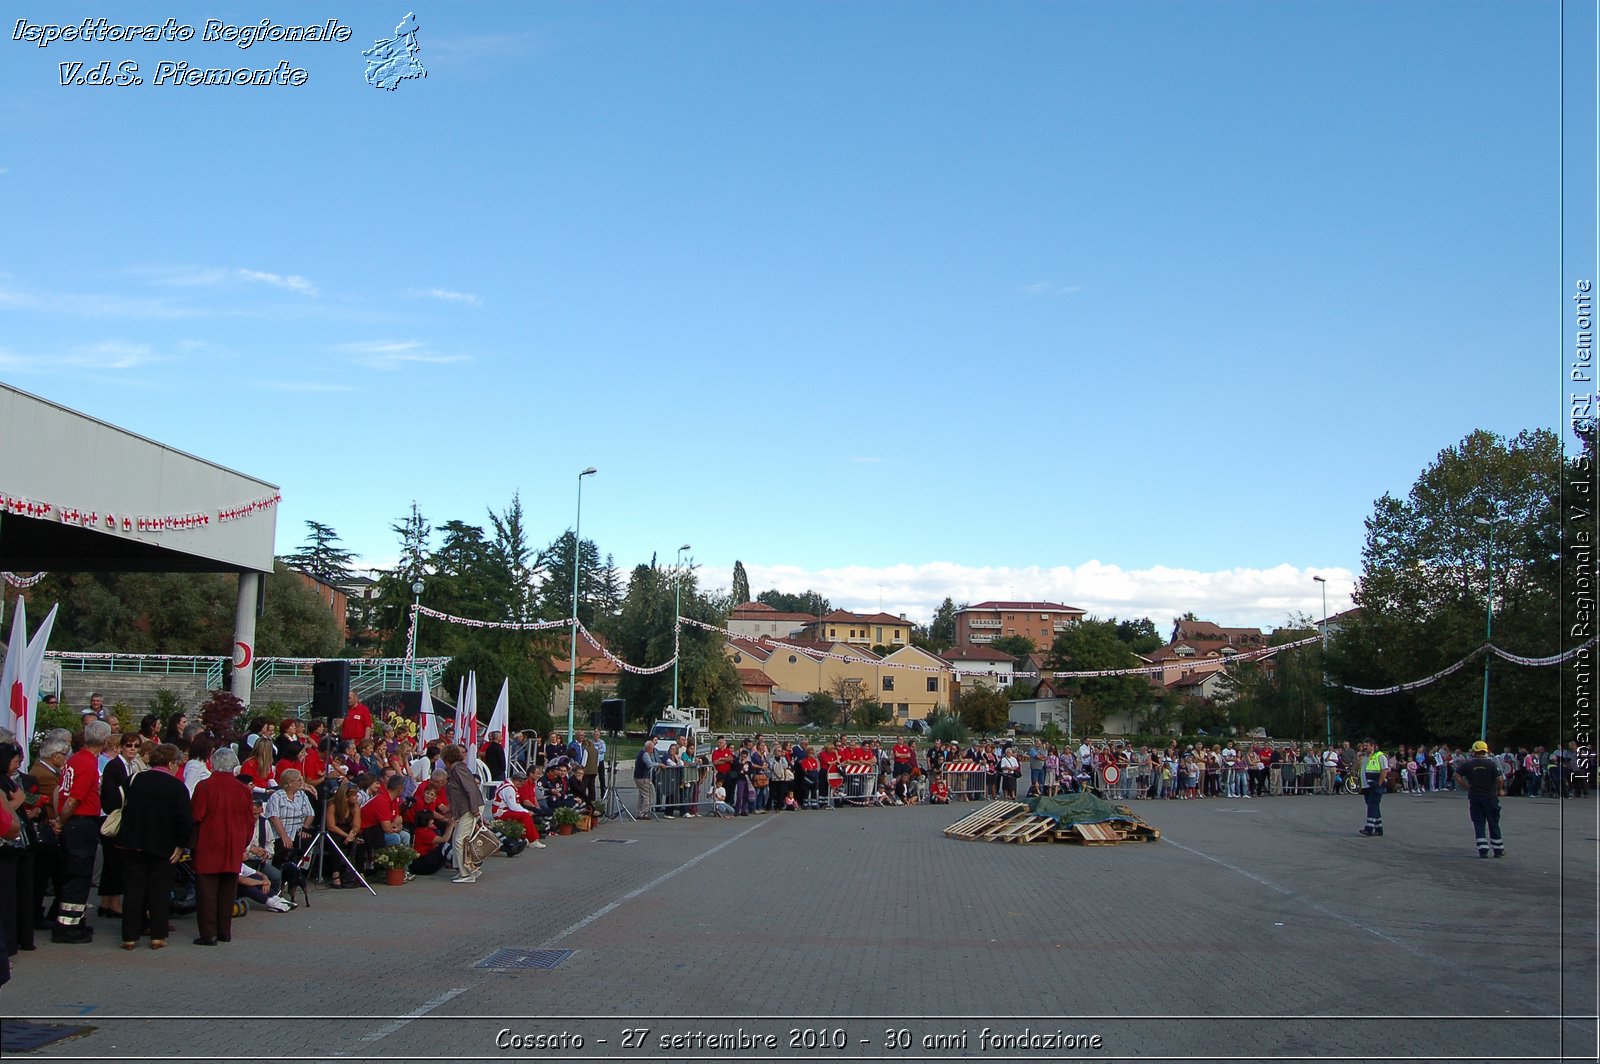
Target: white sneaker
<point x="465" y="879"/>
<point x="536" y="844"/>
<point x="278" y="905"/>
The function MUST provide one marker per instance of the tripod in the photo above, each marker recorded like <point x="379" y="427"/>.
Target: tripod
<point x="318" y="850"/>
<point x="616" y="809"/>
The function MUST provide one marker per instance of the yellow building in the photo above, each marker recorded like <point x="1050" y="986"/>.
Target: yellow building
<point x="910" y="682"/>
<point x="860" y="629"/>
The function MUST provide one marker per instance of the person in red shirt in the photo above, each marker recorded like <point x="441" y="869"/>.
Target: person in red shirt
<point x="224" y="822"/>
<point x="428" y="818"/>
<point x="382" y="822"/>
<point x="77" y="824"/>
<point x="357" y="720"/>
<point x="722" y="759"/>
<point x="905" y="758"/>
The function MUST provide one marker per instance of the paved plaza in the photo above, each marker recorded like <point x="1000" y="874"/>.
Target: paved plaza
<point x="1254" y="929"/>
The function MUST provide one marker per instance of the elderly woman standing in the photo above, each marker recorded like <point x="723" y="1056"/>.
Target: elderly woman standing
<point x="223" y="821"/>
<point x="156" y="822"/>
<point x="466" y="798"/>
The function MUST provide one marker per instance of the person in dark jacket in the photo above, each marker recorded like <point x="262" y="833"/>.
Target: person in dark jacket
<point x="114" y="780"/>
<point x="156" y="823"/>
<point x="16" y="858"/>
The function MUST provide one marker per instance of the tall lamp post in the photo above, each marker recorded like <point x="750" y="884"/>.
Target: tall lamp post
<point x="416" y="622"/>
<point x="1327" y="710"/>
<point x="577" y="552"/>
<point x="677" y="611"/>
<point x="1488" y="627"/>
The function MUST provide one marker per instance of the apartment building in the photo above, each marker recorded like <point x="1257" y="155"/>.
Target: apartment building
<point x="984" y="622"/>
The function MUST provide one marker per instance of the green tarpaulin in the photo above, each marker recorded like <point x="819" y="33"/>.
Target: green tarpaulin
<point x="1080" y="808"/>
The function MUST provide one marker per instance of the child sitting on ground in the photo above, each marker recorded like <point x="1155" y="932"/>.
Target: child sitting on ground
<point x="720" y="805"/>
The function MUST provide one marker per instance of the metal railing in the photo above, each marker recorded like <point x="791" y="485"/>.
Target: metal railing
<point x="367" y="674"/>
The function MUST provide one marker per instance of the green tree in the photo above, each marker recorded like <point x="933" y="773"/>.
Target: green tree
<point x="1093" y="645"/>
<point x="806" y="602"/>
<point x="820" y="708"/>
<point x="594" y="588"/>
<point x="982" y="708"/>
<point x="942" y="632"/>
<point x="393" y="597"/>
<point x="741" y="584"/>
<point x="521" y="565"/>
<point x="642" y="634"/>
<point x="294" y="621"/>
<point x="869" y="713"/>
<point x="321" y="556"/>
<point x="1424" y="590"/>
<point x="1018" y="646"/>
<point x="1141" y="635"/>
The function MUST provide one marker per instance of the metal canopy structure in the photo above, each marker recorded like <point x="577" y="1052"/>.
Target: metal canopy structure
<point x="80" y="495"/>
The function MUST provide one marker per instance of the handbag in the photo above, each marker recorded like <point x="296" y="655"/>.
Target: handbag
<point x="481" y="842"/>
<point x="113" y="821"/>
<point x="759" y="780"/>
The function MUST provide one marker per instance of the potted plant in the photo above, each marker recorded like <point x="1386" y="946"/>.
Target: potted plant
<point x="510" y="829"/>
<point x="395" y="862"/>
<point x="566" y="819"/>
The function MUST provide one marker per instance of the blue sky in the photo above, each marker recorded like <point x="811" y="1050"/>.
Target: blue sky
<point x="1132" y="306"/>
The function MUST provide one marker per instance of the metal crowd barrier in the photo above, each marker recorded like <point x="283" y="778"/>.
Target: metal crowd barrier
<point x="967" y="781"/>
<point x="668" y="781"/>
<point x="859" y="783"/>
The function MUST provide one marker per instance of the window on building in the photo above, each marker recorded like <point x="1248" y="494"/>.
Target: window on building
<point x="879" y="637"/>
<point x="793" y="659"/>
<point x="933" y="685"/>
<point x="737" y="658"/>
<point x="905" y="709"/>
<point x="888" y="683"/>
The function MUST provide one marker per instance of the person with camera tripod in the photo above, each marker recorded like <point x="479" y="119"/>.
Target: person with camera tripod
<point x="466" y="799"/>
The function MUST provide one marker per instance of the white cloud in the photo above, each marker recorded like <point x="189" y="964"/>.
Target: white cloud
<point x="108" y="354"/>
<point x="91" y="305"/>
<point x="447" y="295"/>
<point x="1264" y="598"/>
<point x="1050" y="288"/>
<point x="392" y="354"/>
<point x="292" y="282"/>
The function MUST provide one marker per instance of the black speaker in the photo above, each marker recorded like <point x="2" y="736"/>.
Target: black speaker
<point x="330" y="689"/>
<point x="613" y="714"/>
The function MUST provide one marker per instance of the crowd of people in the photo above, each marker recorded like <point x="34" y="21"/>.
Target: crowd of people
<point x="175" y="820"/>
<point x="169" y="819"/>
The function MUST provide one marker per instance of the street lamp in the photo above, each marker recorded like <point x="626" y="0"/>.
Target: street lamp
<point x="1488" y="627"/>
<point x="1327" y="710"/>
<point x="416" y="622"/>
<point x="677" y="611"/>
<point x="572" y="657"/>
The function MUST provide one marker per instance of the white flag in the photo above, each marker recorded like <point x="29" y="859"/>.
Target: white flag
<point x="24" y="668"/>
<point x="428" y="720"/>
<point x="500" y="720"/>
<point x="467" y="721"/>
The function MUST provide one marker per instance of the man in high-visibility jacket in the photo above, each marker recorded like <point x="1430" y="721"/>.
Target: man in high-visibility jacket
<point x="1374" y="779"/>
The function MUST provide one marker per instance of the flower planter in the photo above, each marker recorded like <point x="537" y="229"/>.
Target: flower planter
<point x="394" y="877"/>
<point x="564" y="829"/>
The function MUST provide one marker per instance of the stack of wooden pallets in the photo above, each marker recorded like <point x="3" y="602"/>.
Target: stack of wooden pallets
<point x="1011" y="822"/>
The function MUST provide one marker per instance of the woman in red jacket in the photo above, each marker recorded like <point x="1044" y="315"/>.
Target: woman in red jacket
<point x="223" y="822"/>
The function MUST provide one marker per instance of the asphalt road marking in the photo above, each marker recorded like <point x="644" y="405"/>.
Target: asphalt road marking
<point x="421" y="1010"/>
<point x="656" y="882"/>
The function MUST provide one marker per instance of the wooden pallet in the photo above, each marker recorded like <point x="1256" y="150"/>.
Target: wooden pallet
<point x="990" y="816"/>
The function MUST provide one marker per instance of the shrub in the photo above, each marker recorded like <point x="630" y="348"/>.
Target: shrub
<point x="394" y="857"/>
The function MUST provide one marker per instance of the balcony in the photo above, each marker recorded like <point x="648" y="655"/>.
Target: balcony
<point x="980" y="623"/>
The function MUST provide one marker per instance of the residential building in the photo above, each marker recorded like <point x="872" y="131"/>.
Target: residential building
<point x="978" y="664"/>
<point x="595" y="671"/>
<point x="334" y="597"/>
<point x="757" y="620"/>
<point x="860" y="629"/>
<point x="984" y="622"/>
<point x="910" y="681"/>
<point x="1206" y="632"/>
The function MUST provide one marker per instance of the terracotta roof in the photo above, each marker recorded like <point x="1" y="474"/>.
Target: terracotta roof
<point x="1190" y="630"/>
<point x="591" y="661"/>
<point x="976" y="653"/>
<point x="749" y="678"/>
<point x="754" y="607"/>
<point x="751" y="647"/>
<point x="1036" y="607"/>
<point x="770" y="614"/>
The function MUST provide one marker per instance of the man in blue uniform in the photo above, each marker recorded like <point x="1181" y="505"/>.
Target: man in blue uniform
<point x="1485" y="782"/>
